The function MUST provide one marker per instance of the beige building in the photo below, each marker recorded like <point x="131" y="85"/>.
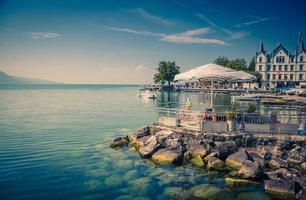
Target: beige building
<point x="281" y="68"/>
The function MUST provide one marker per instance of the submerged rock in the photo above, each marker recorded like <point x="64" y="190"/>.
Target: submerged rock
<point x="149" y="147"/>
<point x="236" y="182"/>
<point x="168" y="156"/>
<point x="120" y="141"/>
<point x="253" y="196"/>
<point x="250" y="170"/>
<point x="235" y="160"/>
<point x="209" y="192"/>
<point x="174" y="192"/>
<point x="282" y="189"/>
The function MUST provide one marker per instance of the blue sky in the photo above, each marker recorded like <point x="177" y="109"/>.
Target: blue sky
<point x="81" y="41"/>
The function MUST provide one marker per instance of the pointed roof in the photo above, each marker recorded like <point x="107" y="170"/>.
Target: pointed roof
<point x="278" y="48"/>
<point x="261" y="49"/>
<point x="300" y="44"/>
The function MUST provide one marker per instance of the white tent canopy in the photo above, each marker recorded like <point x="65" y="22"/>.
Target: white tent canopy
<point x="215" y="72"/>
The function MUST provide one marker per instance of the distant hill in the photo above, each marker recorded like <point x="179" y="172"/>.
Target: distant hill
<point x="8" y="79"/>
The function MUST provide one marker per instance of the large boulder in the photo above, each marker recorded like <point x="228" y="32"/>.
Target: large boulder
<point x="224" y="149"/>
<point x="163" y="135"/>
<point x="215" y="163"/>
<point x="168" y="156"/>
<point x="297" y="155"/>
<point x="281" y="189"/>
<point x="235" y="160"/>
<point x="194" y="148"/>
<point x="150" y="146"/>
<point x="120" y="141"/>
<point x="251" y="170"/>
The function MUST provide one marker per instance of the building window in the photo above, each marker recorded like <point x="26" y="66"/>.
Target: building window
<point x="300" y="76"/>
<point x="268" y="76"/>
<point x="301" y="58"/>
<point x="286" y="68"/>
<point x="260" y="67"/>
<point x="279" y="68"/>
<point x="268" y="68"/>
<point x="285" y="76"/>
<point x="301" y="67"/>
<point x="260" y="59"/>
<point x="274" y="67"/>
<point x="292" y="59"/>
<point x="291" y="76"/>
<point x="291" y="67"/>
<point x="279" y="77"/>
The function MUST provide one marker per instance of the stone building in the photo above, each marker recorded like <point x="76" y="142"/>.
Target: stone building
<point x="281" y="68"/>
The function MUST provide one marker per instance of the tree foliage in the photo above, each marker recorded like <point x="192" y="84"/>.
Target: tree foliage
<point x="252" y="65"/>
<point x="237" y="64"/>
<point x="166" y="72"/>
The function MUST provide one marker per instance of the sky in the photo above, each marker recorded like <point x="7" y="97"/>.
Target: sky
<point x="108" y="41"/>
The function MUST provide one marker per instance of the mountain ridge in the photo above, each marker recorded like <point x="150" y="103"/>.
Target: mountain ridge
<point x="9" y="79"/>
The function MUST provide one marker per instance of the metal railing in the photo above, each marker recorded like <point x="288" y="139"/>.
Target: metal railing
<point x="275" y="121"/>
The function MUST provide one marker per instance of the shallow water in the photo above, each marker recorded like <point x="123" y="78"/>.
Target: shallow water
<point x="55" y="145"/>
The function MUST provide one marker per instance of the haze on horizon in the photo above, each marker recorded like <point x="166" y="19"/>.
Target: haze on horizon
<point x="79" y="41"/>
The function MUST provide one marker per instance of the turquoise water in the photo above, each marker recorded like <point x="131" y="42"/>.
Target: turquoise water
<point x="54" y="144"/>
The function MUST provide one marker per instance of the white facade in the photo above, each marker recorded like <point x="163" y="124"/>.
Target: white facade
<point x="282" y="68"/>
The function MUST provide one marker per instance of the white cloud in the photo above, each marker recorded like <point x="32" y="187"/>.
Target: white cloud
<point x="257" y="20"/>
<point x="232" y="34"/>
<point x="153" y="18"/>
<point x="43" y="35"/>
<point x="187" y="37"/>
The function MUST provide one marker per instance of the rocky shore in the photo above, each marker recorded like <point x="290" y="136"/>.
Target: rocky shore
<point x="278" y="164"/>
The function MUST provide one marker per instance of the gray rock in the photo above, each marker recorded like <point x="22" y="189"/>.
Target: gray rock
<point x="149" y="147"/>
<point x="215" y="163"/>
<point x="281" y="173"/>
<point x="235" y="160"/>
<point x="283" y="189"/>
<point x="301" y="195"/>
<point x="168" y="156"/>
<point x="297" y="155"/>
<point x="276" y="163"/>
<point x="143" y="132"/>
<point x="251" y="170"/>
<point x="225" y="149"/>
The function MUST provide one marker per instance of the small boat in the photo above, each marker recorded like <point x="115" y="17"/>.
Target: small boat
<point x="147" y="94"/>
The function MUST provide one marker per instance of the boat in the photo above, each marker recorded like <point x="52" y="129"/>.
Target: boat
<point x="147" y="94"/>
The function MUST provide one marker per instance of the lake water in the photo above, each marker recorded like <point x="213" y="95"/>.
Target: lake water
<point x="54" y="144"/>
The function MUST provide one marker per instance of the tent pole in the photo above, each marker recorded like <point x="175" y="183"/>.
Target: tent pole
<point x="211" y="92"/>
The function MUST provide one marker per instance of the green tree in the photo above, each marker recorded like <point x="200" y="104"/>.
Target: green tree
<point x="166" y="72"/>
<point x="252" y="64"/>
<point x="222" y="60"/>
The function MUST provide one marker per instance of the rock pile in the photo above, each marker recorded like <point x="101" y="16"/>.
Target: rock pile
<point x="279" y="164"/>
